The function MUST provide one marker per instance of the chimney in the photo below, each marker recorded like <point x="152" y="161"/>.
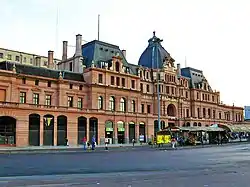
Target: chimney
<point x="65" y="50"/>
<point x="51" y="59"/>
<point x="38" y="61"/>
<point x="178" y="71"/>
<point x="124" y="52"/>
<point x="78" y="45"/>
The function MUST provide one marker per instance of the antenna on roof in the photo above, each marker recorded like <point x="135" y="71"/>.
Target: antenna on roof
<point x="57" y="22"/>
<point x="98" y="32"/>
<point x="185" y="61"/>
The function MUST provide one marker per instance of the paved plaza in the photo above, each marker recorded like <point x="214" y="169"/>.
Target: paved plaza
<point x="218" y="166"/>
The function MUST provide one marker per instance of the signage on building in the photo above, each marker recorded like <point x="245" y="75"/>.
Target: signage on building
<point x="247" y="112"/>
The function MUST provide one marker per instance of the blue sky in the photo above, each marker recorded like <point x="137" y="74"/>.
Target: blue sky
<point x="213" y="35"/>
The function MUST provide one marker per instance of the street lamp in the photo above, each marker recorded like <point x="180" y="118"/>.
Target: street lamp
<point x="155" y="41"/>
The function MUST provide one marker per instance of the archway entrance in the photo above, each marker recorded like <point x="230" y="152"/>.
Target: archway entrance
<point x="7" y="130"/>
<point x="82" y="129"/>
<point x="131" y="132"/>
<point x="34" y="129"/>
<point x="121" y="132"/>
<point x="48" y="130"/>
<point x="61" y="130"/>
<point x="109" y="131"/>
<point x="142" y="131"/>
<point x="171" y="110"/>
<point x="93" y="129"/>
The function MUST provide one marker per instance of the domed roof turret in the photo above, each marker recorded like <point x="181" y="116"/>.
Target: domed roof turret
<point x="154" y="53"/>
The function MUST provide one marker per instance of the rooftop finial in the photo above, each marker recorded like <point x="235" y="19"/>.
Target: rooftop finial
<point x="154" y="33"/>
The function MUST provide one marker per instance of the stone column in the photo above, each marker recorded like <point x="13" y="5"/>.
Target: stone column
<point x="137" y="126"/>
<point x="55" y="131"/>
<point x="101" y="132"/>
<point x="126" y="132"/>
<point x="41" y="130"/>
<point x="22" y="133"/>
<point x="115" y="133"/>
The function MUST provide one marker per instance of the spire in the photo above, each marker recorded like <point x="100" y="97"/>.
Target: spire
<point x="153" y="33"/>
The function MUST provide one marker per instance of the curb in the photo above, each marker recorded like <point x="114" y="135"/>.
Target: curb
<point x="71" y="150"/>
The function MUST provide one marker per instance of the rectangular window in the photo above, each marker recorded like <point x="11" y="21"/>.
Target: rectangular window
<point x="1" y="55"/>
<point x="31" y="61"/>
<point x="133" y="84"/>
<point x="149" y="109"/>
<point x="23" y="80"/>
<point x="70" y="66"/>
<point x="48" y="100"/>
<point x="214" y="114"/>
<point x="9" y="57"/>
<point x="37" y="82"/>
<point x="117" y="81"/>
<point x="112" y="80"/>
<point x="123" y="82"/>
<point x="100" y="78"/>
<point x="187" y="115"/>
<point x="141" y="87"/>
<point x="70" y="101"/>
<point x="22" y="97"/>
<point x="17" y="58"/>
<point x="70" y="86"/>
<point x="24" y="59"/>
<point x="167" y="89"/>
<point x="79" y="103"/>
<point x="148" y="90"/>
<point x="49" y="83"/>
<point x="36" y="99"/>
<point x="142" y="108"/>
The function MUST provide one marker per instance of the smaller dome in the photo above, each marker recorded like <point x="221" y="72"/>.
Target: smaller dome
<point x="153" y="53"/>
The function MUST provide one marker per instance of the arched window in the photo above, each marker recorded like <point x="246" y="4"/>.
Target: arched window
<point x="100" y="102"/>
<point x="123" y="105"/>
<point x="117" y="66"/>
<point x="133" y="105"/>
<point x="112" y="103"/>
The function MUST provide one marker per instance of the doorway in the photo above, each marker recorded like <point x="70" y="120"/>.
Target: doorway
<point x="121" y="132"/>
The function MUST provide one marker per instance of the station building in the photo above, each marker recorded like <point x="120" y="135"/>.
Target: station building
<point x="97" y="92"/>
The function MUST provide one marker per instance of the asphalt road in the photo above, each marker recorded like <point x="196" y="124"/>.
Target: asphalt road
<point x="207" y="167"/>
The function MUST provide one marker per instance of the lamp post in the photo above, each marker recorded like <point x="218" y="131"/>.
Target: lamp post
<point x="155" y="41"/>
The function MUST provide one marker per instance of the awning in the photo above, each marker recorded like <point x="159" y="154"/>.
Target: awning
<point x="236" y="128"/>
<point x="207" y="129"/>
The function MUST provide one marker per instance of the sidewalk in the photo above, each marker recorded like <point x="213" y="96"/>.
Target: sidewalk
<point x="62" y="148"/>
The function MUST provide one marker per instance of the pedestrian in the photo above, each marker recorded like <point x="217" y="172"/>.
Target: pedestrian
<point x="133" y="141"/>
<point x="93" y="143"/>
<point x="66" y="142"/>
<point x="106" y="143"/>
<point x="84" y="141"/>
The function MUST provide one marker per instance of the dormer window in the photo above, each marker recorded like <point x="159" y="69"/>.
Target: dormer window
<point x="117" y="66"/>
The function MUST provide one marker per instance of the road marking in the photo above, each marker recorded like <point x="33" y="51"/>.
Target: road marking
<point x="52" y="185"/>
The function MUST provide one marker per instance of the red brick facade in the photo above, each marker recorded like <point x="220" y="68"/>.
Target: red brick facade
<point x="135" y="105"/>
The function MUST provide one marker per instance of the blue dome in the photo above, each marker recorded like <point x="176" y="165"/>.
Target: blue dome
<point x="153" y="53"/>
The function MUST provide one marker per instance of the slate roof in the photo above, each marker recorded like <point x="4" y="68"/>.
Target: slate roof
<point x="40" y="71"/>
<point x="153" y="53"/>
<point x="196" y="76"/>
<point x="97" y="51"/>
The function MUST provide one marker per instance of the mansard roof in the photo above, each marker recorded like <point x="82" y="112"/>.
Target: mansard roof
<point x="40" y="71"/>
<point x="97" y="51"/>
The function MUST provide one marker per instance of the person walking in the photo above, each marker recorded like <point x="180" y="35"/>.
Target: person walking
<point x="93" y="143"/>
<point x="84" y="141"/>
